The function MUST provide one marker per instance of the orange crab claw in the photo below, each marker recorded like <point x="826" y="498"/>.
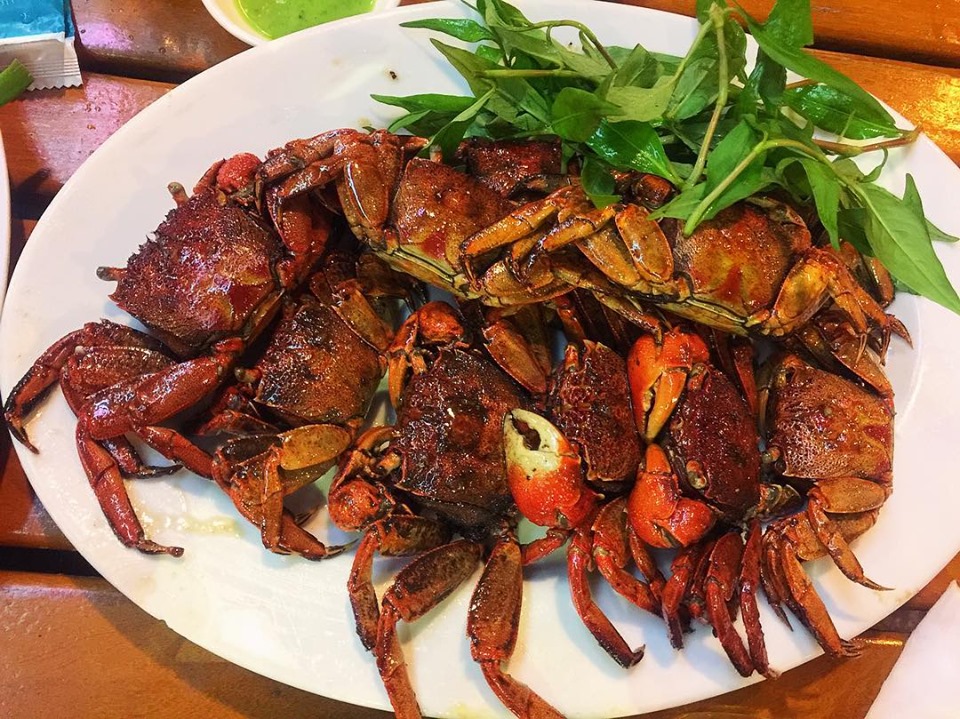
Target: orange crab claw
<point x="659" y="514"/>
<point x="544" y="472"/>
<point x="657" y="372"/>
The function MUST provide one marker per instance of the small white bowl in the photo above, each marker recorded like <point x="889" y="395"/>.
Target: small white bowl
<point x="229" y="17"/>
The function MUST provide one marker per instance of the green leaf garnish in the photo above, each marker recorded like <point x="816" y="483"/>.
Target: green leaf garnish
<point x="700" y="121"/>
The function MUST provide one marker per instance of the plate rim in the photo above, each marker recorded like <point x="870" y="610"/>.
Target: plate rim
<point x="158" y="107"/>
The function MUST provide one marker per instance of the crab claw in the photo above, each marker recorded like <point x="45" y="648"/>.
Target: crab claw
<point x="436" y="324"/>
<point x="657" y="371"/>
<point x="659" y="514"/>
<point x="544" y="472"/>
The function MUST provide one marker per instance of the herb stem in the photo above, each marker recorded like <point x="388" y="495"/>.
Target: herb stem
<point x="514" y="72"/>
<point x="584" y="31"/>
<point x="718" y="20"/>
<point x="701" y="209"/>
<point x="848" y="150"/>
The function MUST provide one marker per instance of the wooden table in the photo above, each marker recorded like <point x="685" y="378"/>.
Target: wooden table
<point x="73" y="646"/>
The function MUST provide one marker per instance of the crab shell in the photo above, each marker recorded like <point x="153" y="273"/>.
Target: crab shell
<point x="223" y="260"/>
<point x="449" y="433"/>
<point x="589" y="402"/>
<point x="713" y="445"/>
<point x="823" y="426"/>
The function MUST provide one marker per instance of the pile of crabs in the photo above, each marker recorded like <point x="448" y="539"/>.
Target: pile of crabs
<point x="720" y="395"/>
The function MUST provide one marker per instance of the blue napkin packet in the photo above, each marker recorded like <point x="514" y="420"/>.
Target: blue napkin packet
<point x="40" y="34"/>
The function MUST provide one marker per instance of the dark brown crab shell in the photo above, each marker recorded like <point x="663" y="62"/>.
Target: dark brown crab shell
<point x="739" y="259"/>
<point x="822" y="425"/>
<point x="589" y="401"/>
<point x="713" y="444"/>
<point x="207" y="274"/>
<point x="449" y="435"/>
<point x="437" y="207"/>
<point x="317" y="369"/>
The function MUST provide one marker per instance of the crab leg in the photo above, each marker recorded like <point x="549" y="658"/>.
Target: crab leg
<point x="772" y="579"/>
<point x="418" y="588"/>
<point x="129" y="461"/>
<point x="749" y="583"/>
<point x="160" y="395"/>
<point x="786" y="543"/>
<point x="847" y="495"/>
<point x="520" y="226"/>
<point x="817" y="277"/>
<point x="492" y="626"/>
<point x="645" y="563"/>
<point x="394" y="536"/>
<point x="45" y="371"/>
<point x="682" y="570"/>
<point x="517" y="355"/>
<point x="721" y="588"/>
<point x="611" y="553"/>
<point x="173" y="445"/>
<point x="104" y="477"/>
<point x="579" y="556"/>
<point x="809" y="607"/>
<point x="255" y="488"/>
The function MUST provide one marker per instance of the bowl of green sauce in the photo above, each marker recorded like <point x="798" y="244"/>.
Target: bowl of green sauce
<point x="259" y="21"/>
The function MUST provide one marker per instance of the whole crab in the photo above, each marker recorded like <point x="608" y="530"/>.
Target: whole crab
<point x="828" y="444"/>
<point x="438" y="472"/>
<point x="316" y="378"/>
<point x="206" y="285"/>
<point x="570" y="476"/>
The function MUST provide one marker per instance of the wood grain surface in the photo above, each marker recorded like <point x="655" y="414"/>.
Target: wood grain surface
<point x="74" y="646"/>
<point x="173" y="39"/>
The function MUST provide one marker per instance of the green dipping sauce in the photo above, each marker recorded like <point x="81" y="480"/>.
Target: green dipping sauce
<point x="274" y="18"/>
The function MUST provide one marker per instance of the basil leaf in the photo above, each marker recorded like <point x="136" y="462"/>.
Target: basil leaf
<point x="851" y="225"/>
<point x="598" y="183"/>
<point x="826" y="194"/>
<point x="436" y="103"/>
<point x="810" y="67"/>
<point x="703" y="9"/>
<point x="405" y="121"/>
<point x="729" y="153"/>
<point x="766" y="84"/>
<point x="633" y="145"/>
<point x="532" y="44"/>
<point x="577" y="113"/>
<point x="899" y="240"/>
<point x="839" y="113"/>
<point x="699" y="82"/>
<point x="749" y="182"/>
<point x="639" y="68"/>
<point x="468" y="65"/>
<point x="643" y="104"/>
<point x="791" y="22"/>
<point x="449" y="136"/>
<point x="683" y="205"/>
<point x="501" y="14"/>
<point x="489" y="53"/>
<point x="911" y="198"/>
<point x="466" y="30"/>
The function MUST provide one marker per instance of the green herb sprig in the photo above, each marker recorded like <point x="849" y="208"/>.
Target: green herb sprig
<point x="717" y="133"/>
